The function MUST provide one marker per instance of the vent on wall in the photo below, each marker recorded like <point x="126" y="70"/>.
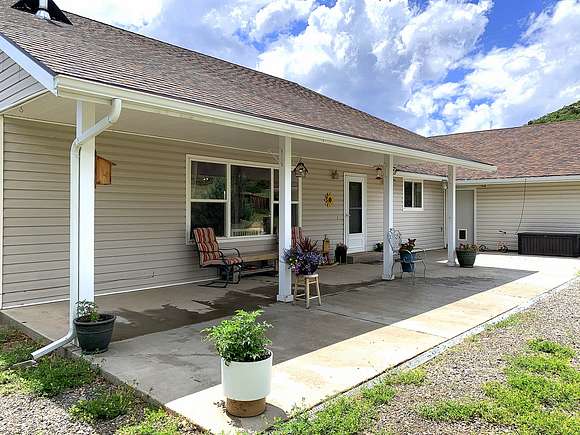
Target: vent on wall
<point x="46" y="9"/>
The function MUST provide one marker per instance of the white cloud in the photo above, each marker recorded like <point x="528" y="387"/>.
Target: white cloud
<point x="510" y="86"/>
<point x="127" y="13"/>
<point x="389" y="58"/>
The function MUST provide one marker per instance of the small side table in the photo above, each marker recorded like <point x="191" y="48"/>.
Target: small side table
<point x="308" y="279"/>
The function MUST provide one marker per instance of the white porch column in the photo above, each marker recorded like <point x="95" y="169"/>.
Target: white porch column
<point x="451" y="201"/>
<point x="388" y="219"/>
<point x="285" y="218"/>
<point x="86" y="219"/>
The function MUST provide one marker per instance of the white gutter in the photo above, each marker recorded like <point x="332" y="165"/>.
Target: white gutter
<point x="521" y="180"/>
<point x="71" y="87"/>
<point x="75" y="148"/>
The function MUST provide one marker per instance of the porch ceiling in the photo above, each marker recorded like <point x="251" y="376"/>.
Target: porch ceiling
<point x="50" y="108"/>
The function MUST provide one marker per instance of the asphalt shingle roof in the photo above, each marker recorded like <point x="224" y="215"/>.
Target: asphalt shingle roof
<point x="101" y="53"/>
<point x="539" y="150"/>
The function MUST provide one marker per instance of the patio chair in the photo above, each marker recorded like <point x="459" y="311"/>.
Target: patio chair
<point x="394" y="239"/>
<point x="211" y="255"/>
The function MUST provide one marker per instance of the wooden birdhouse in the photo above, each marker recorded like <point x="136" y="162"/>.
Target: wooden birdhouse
<point x="103" y="170"/>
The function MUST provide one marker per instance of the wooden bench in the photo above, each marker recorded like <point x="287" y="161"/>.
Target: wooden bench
<point x="264" y="257"/>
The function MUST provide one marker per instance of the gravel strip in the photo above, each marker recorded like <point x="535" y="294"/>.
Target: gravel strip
<point x="460" y="371"/>
<point x="23" y="414"/>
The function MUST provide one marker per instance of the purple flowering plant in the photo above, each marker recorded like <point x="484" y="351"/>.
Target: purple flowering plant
<point x="304" y="258"/>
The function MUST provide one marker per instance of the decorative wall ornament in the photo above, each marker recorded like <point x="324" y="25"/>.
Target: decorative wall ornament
<point x="334" y="174"/>
<point x="329" y="199"/>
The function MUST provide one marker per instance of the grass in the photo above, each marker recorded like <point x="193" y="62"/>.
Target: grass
<point x="155" y="422"/>
<point x="350" y="414"/>
<point x="106" y="405"/>
<point x="541" y="394"/>
<point x="515" y="319"/>
<point x="50" y="377"/>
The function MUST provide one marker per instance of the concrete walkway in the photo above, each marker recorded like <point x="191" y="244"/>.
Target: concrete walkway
<point x="364" y="327"/>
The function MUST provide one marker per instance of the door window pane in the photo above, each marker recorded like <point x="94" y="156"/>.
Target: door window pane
<point x="408" y="194"/>
<point x="355" y="202"/>
<point x="250" y="203"/>
<point x="294" y="181"/>
<point x="209" y="214"/>
<point x="418" y="195"/>
<point x="208" y="180"/>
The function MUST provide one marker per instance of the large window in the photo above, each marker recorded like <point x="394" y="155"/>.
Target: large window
<point x="413" y="194"/>
<point x="235" y="199"/>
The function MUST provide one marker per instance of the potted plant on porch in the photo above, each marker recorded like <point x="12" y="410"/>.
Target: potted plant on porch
<point x="304" y="258"/>
<point x="407" y="255"/>
<point x="94" y="330"/>
<point x="466" y="254"/>
<point x="246" y="362"/>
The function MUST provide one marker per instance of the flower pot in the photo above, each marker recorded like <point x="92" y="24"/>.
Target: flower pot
<point x="340" y="254"/>
<point x="407" y="259"/>
<point x="94" y="337"/>
<point x="465" y="258"/>
<point x="246" y="385"/>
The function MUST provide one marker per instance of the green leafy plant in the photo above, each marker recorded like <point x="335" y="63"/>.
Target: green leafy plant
<point x="409" y="245"/>
<point x="155" y="422"/>
<point x="241" y="338"/>
<point x="88" y="311"/>
<point x="106" y="405"/>
<point x="468" y="247"/>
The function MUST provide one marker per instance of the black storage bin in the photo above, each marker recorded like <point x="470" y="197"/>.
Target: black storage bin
<point x="556" y="244"/>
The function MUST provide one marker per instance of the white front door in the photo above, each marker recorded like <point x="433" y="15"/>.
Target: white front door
<point x="355" y="214"/>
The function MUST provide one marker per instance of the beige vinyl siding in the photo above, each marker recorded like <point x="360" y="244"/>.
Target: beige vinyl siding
<point x="549" y="207"/>
<point x="426" y="225"/>
<point x="15" y="83"/>
<point x="139" y="219"/>
<point x="318" y="220"/>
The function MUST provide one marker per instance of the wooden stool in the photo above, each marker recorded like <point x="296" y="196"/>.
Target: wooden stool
<point x="308" y="279"/>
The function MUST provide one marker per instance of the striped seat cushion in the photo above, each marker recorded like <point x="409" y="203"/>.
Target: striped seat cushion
<point x="230" y="261"/>
<point x="207" y="245"/>
<point x="297" y="235"/>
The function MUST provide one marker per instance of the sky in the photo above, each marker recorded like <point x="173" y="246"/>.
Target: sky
<point x="434" y="67"/>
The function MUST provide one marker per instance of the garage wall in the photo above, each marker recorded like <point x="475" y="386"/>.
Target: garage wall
<point x="140" y="218"/>
<point x="549" y="207"/>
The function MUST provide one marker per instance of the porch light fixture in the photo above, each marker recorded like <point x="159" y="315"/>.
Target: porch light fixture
<point x="300" y="171"/>
<point x="379" y="175"/>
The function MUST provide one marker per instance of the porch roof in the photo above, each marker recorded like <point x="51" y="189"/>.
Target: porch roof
<point x="98" y="53"/>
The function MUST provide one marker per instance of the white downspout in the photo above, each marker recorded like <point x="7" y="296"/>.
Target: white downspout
<point x="75" y="148"/>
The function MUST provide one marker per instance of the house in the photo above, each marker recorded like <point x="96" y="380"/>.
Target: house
<point x="536" y="187"/>
<point x="196" y="141"/>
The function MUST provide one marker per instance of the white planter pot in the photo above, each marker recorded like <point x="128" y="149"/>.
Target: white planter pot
<point x="247" y="381"/>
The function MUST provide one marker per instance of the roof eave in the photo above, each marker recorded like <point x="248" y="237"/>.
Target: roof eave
<point x="31" y="65"/>
<point x="76" y="88"/>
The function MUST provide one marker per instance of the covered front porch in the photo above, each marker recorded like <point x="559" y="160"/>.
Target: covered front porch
<point x="364" y="326"/>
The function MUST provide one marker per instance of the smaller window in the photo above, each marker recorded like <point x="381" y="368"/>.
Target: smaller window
<point x="413" y="194"/>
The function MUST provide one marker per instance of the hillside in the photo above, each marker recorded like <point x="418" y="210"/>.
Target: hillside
<point x="566" y="113"/>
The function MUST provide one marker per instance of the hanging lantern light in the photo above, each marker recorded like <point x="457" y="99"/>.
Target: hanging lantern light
<point x="300" y="171"/>
<point x="379" y="175"/>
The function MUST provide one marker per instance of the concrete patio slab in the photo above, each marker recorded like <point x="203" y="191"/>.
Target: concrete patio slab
<point x="364" y="327"/>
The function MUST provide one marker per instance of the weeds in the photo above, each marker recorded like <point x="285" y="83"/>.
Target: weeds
<point x="513" y="320"/>
<point x="106" y="405"/>
<point x="155" y="422"/>
<point x="541" y="394"/>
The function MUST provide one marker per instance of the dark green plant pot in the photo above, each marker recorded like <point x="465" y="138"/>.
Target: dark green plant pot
<point x="466" y="258"/>
<point x="94" y="337"/>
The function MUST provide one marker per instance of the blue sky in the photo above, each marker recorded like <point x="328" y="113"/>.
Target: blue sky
<point x="434" y="66"/>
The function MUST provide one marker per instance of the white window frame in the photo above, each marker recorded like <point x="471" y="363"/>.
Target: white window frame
<point x="297" y="202"/>
<point x="414" y="181"/>
<point x="228" y="225"/>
